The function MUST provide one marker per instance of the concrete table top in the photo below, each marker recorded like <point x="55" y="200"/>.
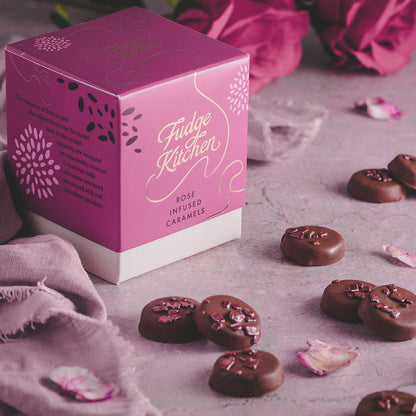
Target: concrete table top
<point x="308" y="189"/>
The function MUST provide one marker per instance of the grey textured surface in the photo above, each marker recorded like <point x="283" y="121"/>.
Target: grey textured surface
<point x="307" y="189"/>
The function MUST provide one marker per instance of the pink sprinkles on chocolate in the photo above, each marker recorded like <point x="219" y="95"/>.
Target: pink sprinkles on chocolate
<point x="398" y="297"/>
<point x="247" y="357"/>
<point x="387" y="400"/>
<point x="410" y="158"/>
<point x="227" y="363"/>
<point x="392" y="292"/>
<point x="379" y="175"/>
<point x="357" y="290"/>
<point x="218" y="321"/>
<point x="170" y="310"/>
<point x="306" y="234"/>
<point x="236" y="318"/>
<point x="409" y="408"/>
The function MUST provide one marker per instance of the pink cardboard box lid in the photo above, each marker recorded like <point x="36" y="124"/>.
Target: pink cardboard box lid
<point x="128" y="128"/>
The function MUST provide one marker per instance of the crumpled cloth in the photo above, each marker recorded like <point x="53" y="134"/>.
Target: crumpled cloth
<point x="52" y="316"/>
<point x="281" y="129"/>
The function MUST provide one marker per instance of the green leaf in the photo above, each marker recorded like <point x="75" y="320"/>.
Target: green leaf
<point x="61" y="11"/>
<point x="173" y="3"/>
<point x="60" y="17"/>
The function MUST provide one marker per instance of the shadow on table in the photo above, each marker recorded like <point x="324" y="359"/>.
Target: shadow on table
<point x="342" y="189"/>
<point x="338" y="329"/>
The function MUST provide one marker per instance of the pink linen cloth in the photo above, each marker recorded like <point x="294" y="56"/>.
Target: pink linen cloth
<point x="52" y="316"/>
<point x="280" y="129"/>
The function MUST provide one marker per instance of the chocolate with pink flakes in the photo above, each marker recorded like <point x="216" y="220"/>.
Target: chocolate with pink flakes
<point x="341" y="299"/>
<point x="169" y="320"/>
<point x="312" y="245"/>
<point x="376" y="185"/>
<point x="403" y="169"/>
<point x="228" y="321"/>
<point x="246" y="373"/>
<point x="388" y="403"/>
<point x="390" y="311"/>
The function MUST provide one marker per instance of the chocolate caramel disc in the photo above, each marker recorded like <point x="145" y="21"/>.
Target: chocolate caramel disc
<point x="312" y="245"/>
<point x="403" y="168"/>
<point x="341" y="299"/>
<point x="375" y="185"/>
<point x="390" y="311"/>
<point x="387" y="403"/>
<point x="246" y="373"/>
<point x="169" y="320"/>
<point x="228" y="321"/>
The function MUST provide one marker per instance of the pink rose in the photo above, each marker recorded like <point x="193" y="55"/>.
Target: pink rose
<point x="374" y="34"/>
<point x="271" y="31"/>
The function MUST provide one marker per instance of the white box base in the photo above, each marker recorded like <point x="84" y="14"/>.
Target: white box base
<point x="117" y="267"/>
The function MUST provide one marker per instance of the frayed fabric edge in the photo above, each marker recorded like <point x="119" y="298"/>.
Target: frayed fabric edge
<point x="129" y="365"/>
<point x="20" y="293"/>
<point x="16" y="294"/>
<point x="8" y="335"/>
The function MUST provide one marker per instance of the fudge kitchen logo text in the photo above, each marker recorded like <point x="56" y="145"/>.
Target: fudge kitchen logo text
<point x="128" y="49"/>
<point x="186" y="144"/>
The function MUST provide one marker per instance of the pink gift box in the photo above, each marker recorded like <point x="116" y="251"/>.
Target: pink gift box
<point x="127" y="136"/>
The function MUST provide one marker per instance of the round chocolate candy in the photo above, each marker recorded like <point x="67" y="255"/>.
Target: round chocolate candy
<point x="228" y="321"/>
<point x="169" y="320"/>
<point x="312" y="245"/>
<point x="341" y="299"/>
<point x="387" y="403"/>
<point x="246" y="373"/>
<point x="375" y="185"/>
<point x="390" y="311"/>
<point x="403" y="168"/>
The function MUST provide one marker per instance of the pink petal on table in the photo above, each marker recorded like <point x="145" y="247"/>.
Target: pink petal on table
<point x="399" y="254"/>
<point x="82" y="384"/>
<point x="379" y="109"/>
<point x="322" y="357"/>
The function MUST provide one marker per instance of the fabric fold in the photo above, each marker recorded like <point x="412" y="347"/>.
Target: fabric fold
<point x="51" y="316"/>
<point x="29" y="260"/>
<point x="24" y="307"/>
<point x="279" y="130"/>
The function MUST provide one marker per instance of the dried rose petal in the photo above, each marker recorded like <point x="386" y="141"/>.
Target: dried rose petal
<point x="397" y="253"/>
<point x="82" y="384"/>
<point x="322" y="357"/>
<point x="379" y="109"/>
